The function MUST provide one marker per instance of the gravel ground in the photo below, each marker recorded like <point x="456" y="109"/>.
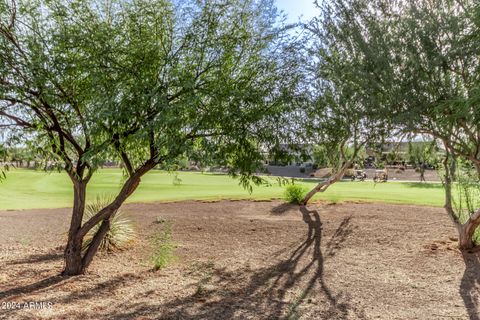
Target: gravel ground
<point x="247" y="260"/>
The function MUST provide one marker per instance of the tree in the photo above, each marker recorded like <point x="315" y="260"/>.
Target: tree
<point x="437" y="50"/>
<point x="351" y="71"/>
<point x="431" y="53"/>
<point x="143" y="80"/>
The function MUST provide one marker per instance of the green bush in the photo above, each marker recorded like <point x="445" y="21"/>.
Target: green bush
<point x="121" y="233"/>
<point x="295" y="193"/>
<point x="163" y="247"/>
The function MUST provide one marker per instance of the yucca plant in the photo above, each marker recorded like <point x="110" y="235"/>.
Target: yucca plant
<point x="121" y="233"/>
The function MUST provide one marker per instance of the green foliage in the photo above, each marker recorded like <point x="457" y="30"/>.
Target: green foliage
<point x="93" y="82"/>
<point x="121" y="233"/>
<point x="295" y="193"/>
<point x="349" y="107"/>
<point x="325" y="157"/>
<point x="422" y="153"/>
<point x="163" y="247"/>
<point x="419" y="60"/>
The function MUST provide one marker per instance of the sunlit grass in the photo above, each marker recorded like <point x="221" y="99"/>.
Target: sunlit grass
<point x="26" y="189"/>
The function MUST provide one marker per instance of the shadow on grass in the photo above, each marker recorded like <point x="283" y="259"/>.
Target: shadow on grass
<point x="470" y="285"/>
<point x="278" y="291"/>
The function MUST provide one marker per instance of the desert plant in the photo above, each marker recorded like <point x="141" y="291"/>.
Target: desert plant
<point x="295" y="193"/>
<point x="163" y="247"/>
<point x="121" y="232"/>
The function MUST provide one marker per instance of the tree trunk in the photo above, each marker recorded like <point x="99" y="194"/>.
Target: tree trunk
<point x="422" y="173"/>
<point x="75" y="262"/>
<point x="466" y="231"/>
<point x="323" y="186"/>
<point x="73" y="250"/>
<point x="96" y="241"/>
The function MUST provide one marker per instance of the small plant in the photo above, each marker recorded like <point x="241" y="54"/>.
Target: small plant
<point x="202" y="283"/>
<point x="163" y="247"/>
<point x="295" y="193"/>
<point x="205" y="271"/>
<point x="293" y="309"/>
<point x="121" y="232"/>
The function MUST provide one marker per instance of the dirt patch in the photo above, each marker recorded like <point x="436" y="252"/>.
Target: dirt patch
<point x="248" y="260"/>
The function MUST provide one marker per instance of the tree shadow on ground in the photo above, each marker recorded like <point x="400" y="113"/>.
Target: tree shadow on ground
<point x="282" y="208"/>
<point x="470" y="285"/>
<point x="286" y="289"/>
<point x="46" y="283"/>
<point x="290" y="285"/>
<point x="36" y="258"/>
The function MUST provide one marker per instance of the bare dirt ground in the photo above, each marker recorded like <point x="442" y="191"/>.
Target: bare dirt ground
<point x="248" y="260"/>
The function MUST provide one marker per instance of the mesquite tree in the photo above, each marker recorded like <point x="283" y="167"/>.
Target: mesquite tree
<point x="146" y="81"/>
<point x="438" y="49"/>
<point x="351" y="71"/>
<point x="431" y="54"/>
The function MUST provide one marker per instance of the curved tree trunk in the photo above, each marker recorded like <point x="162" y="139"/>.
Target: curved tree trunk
<point x="466" y="231"/>
<point x="323" y="186"/>
<point x="76" y="261"/>
<point x="95" y="244"/>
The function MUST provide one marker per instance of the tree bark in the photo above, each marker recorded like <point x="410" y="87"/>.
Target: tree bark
<point x="76" y="261"/>
<point x="323" y="186"/>
<point x="467" y="230"/>
<point x="95" y="244"/>
<point x="73" y="250"/>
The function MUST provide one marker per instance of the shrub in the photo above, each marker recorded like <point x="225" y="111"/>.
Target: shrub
<point x="121" y="233"/>
<point x="163" y="247"/>
<point x="295" y="193"/>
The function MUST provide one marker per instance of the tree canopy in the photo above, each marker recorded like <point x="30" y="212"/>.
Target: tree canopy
<point x="146" y="81"/>
<point x="419" y="63"/>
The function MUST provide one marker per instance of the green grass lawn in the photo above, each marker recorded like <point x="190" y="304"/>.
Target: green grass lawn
<point x="27" y="189"/>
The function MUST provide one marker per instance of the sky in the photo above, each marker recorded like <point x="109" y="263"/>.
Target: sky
<point x="296" y="8"/>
